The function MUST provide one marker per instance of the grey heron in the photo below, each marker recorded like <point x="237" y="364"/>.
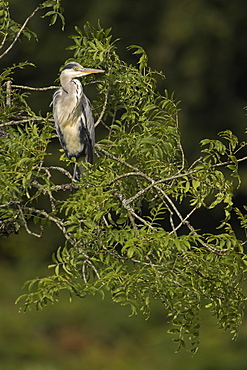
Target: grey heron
<point x="73" y="116"/>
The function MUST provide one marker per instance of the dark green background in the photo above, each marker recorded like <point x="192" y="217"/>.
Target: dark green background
<point x="200" y="45"/>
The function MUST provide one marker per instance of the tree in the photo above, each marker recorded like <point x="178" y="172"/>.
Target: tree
<point x="127" y="224"/>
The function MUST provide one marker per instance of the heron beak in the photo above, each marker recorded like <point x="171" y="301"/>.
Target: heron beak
<point x="88" y="71"/>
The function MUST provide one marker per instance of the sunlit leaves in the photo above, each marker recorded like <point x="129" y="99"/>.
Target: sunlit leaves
<point x="22" y="154"/>
<point x="143" y="60"/>
<point x="55" y="13"/>
<point x="9" y="29"/>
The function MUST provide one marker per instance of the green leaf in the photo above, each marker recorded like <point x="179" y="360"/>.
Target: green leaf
<point x="49" y="3"/>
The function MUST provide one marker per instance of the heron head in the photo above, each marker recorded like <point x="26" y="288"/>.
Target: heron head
<point x="74" y="70"/>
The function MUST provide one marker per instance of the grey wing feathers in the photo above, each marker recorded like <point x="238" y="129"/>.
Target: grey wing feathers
<point x="89" y="121"/>
<point x="56" y="95"/>
<point x="87" y="131"/>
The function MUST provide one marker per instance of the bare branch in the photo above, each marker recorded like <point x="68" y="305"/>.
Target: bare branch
<point x="4" y="40"/>
<point x="26" y="226"/>
<point x="60" y="224"/>
<point x="26" y="120"/>
<point x="93" y="267"/>
<point x="112" y="121"/>
<point x="84" y="273"/>
<point x="131" y="210"/>
<point x="108" y="154"/>
<point x="103" y="110"/>
<point x="124" y="175"/>
<point x="60" y="169"/>
<point x="8" y="93"/>
<point x="35" y="88"/>
<point x="140" y="193"/>
<point x="183" y="221"/>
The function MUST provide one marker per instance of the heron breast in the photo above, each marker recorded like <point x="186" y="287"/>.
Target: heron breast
<point x="71" y="136"/>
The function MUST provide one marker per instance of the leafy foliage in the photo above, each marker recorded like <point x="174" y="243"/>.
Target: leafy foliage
<point x="125" y="230"/>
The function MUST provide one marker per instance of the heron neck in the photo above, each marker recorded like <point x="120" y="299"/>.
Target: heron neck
<point x="68" y="84"/>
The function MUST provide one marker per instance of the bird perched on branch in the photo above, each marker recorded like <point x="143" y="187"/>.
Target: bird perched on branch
<point x="73" y="116"/>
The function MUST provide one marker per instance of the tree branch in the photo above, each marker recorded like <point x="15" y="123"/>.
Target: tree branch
<point x="35" y="88"/>
<point x="103" y="110"/>
<point x="26" y="120"/>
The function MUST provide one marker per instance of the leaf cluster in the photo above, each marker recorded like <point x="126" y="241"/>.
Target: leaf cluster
<point x="10" y="28"/>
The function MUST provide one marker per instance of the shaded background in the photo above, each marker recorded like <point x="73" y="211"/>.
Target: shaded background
<point x="200" y="45"/>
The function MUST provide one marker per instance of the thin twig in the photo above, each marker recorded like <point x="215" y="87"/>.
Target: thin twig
<point x="8" y="93"/>
<point x="35" y="88"/>
<point x="26" y="226"/>
<point x="112" y="121"/>
<point x="178" y="175"/>
<point x="84" y="273"/>
<point x="185" y="219"/>
<point x="61" y="225"/>
<point x="93" y="267"/>
<point x="127" y="174"/>
<point x="26" y="120"/>
<point x="103" y="110"/>
<point x="60" y="169"/>
<point x="58" y="222"/>
<point x="108" y="154"/>
<point x="139" y="193"/>
<point x="6" y="27"/>
<point x="131" y="210"/>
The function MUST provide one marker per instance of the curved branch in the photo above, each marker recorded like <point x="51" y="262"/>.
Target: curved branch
<point x="103" y="110"/>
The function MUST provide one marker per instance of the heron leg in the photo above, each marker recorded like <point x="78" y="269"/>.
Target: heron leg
<point x="76" y="173"/>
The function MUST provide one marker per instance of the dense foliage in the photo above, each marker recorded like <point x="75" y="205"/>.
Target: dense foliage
<point x="126" y="225"/>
